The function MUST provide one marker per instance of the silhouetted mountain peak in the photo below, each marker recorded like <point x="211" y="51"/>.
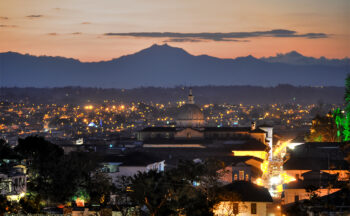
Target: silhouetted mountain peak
<point x="160" y="51"/>
<point x="296" y="58"/>
<point x="248" y="58"/>
<point x="165" y="45"/>
<point x="293" y="54"/>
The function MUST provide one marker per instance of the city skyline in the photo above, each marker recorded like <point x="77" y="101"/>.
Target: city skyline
<point x="92" y="31"/>
<point x="160" y="107"/>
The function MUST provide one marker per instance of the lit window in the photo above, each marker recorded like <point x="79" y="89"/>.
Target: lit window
<point x="253" y="209"/>
<point x="235" y="177"/>
<point x="241" y="175"/>
<point x="246" y="177"/>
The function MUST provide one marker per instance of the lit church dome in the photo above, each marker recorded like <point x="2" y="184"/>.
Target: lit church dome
<point x="190" y="115"/>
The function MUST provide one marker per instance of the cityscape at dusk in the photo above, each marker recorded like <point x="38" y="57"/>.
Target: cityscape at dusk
<point x="174" y="108"/>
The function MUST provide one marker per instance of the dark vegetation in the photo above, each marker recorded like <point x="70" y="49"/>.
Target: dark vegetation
<point x="57" y="179"/>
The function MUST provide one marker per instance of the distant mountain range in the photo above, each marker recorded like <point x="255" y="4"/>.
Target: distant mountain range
<point x="296" y="58"/>
<point x="166" y="66"/>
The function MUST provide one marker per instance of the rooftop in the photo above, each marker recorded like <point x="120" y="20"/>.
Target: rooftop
<point x="248" y="192"/>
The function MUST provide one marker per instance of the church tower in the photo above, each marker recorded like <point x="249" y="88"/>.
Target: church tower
<point x="190" y="97"/>
<point x="190" y="115"/>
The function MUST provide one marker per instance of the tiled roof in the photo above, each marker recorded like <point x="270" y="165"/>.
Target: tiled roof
<point x="247" y="192"/>
<point x="316" y="156"/>
<point x="307" y="163"/>
<point x="134" y="159"/>
<point x="249" y="145"/>
<point x="159" y="129"/>
<point x="227" y="129"/>
<point x="173" y="155"/>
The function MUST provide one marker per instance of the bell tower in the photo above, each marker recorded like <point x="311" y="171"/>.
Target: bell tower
<point x="190" y="97"/>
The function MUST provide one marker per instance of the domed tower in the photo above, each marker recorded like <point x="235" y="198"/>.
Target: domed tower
<point x="190" y="115"/>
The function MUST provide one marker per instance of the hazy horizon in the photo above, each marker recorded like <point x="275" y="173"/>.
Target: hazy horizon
<point x="161" y="44"/>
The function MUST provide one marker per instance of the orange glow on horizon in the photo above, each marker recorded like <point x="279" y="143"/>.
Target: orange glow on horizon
<point x="76" y="29"/>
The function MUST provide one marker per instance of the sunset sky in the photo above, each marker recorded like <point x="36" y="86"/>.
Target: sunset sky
<point x="92" y="30"/>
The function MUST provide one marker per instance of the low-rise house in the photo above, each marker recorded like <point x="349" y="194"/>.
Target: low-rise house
<point x="244" y="172"/>
<point x="243" y="198"/>
<point x="313" y="183"/>
<point x="245" y="168"/>
<point x="13" y="183"/>
<point x="336" y="203"/>
<point x="130" y="164"/>
<point x="326" y="157"/>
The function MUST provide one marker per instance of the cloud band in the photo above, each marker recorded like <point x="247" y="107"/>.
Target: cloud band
<point x="219" y="36"/>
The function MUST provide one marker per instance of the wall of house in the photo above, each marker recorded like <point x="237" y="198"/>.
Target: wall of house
<point x="225" y="134"/>
<point x="261" y="137"/>
<point x="133" y="170"/>
<point x="246" y="173"/>
<point x="189" y="133"/>
<point x="269" y="138"/>
<point x="145" y="135"/>
<point x="244" y="208"/>
<point x="289" y="194"/>
<point x="254" y="162"/>
<point x="128" y="171"/>
<point x="159" y="166"/>
<point x="190" y="123"/>
<point x="226" y="175"/>
<point x="296" y="173"/>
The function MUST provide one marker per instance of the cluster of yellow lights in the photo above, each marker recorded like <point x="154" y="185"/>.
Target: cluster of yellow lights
<point x="281" y="147"/>
<point x="16" y="198"/>
<point x="88" y="107"/>
<point x="281" y="179"/>
<point x="264" y="166"/>
<point x="287" y="178"/>
<point x="259" y="182"/>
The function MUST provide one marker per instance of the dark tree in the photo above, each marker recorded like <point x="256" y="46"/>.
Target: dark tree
<point x="73" y="174"/>
<point x="152" y="190"/>
<point x="42" y="158"/>
<point x="6" y="152"/>
<point x="323" y="129"/>
<point x="30" y="205"/>
<point x="57" y="178"/>
<point x="189" y="189"/>
<point x="99" y="188"/>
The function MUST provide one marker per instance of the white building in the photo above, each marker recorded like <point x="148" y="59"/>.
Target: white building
<point x="130" y="164"/>
<point x="13" y="184"/>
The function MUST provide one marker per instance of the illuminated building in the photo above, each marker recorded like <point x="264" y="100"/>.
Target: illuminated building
<point x="13" y="184"/>
<point x="323" y="182"/>
<point x="242" y="198"/>
<point x="269" y="137"/>
<point x="326" y="157"/>
<point x="192" y="131"/>
<point x="131" y="164"/>
<point x="190" y="115"/>
<point x="320" y="165"/>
